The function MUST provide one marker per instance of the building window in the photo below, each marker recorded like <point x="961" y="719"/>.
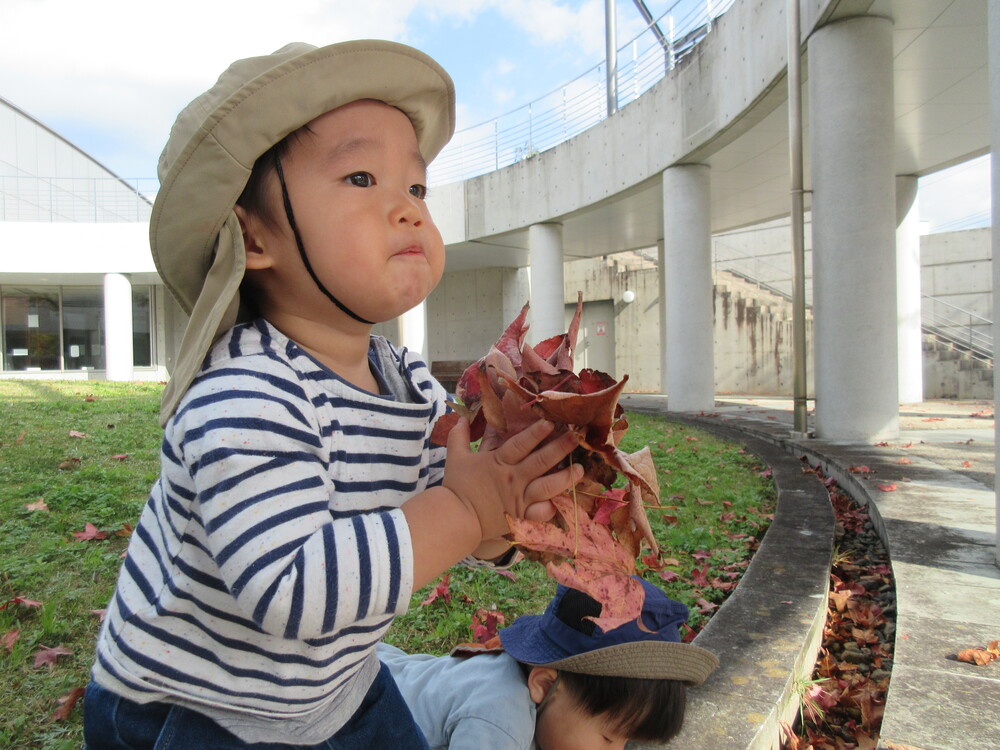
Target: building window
<point x="83" y="328"/>
<point x="31" y="329"/>
<point x="62" y="328"/>
<point x="142" y="326"/>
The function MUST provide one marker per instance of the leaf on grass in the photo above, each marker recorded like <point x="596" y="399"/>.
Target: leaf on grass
<point x="8" y="639"/>
<point x="69" y="463"/>
<point x="20" y="438"/>
<point x="90" y="533"/>
<point x="46" y="656"/>
<point x="77" y="434"/>
<point x="99" y="612"/>
<point x="120" y="456"/>
<point x="90" y="397"/>
<point x="485" y="623"/>
<point x="39" y="504"/>
<point x="441" y="591"/>
<point x="669" y="576"/>
<point x="66" y="704"/>
<point x="22" y="601"/>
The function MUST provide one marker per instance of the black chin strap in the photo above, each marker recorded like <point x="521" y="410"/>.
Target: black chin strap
<point x="302" y="251"/>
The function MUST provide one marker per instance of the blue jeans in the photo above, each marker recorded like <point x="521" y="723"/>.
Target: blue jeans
<point x="111" y="722"/>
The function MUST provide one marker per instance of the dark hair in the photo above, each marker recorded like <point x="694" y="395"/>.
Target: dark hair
<point x="640" y="709"/>
<point x="254" y="197"/>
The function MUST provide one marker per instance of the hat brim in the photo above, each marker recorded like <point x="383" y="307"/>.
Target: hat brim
<point x="218" y="138"/>
<point x="656" y="660"/>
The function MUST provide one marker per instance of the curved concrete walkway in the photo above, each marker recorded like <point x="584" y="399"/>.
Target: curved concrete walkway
<point x="939" y="527"/>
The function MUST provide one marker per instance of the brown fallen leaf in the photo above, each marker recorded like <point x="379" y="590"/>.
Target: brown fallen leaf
<point x="8" y="639"/>
<point x="980" y="656"/>
<point x="66" y="704"/>
<point x="77" y="434"/>
<point x="90" y="533"/>
<point x="39" y="504"/>
<point x="46" y="656"/>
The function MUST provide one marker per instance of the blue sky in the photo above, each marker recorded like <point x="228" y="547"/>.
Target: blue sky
<point x="111" y="75"/>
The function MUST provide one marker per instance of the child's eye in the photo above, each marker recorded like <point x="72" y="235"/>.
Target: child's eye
<point x="419" y="191"/>
<point x="361" y="179"/>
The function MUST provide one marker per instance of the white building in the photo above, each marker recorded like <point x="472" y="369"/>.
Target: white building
<point x="79" y="294"/>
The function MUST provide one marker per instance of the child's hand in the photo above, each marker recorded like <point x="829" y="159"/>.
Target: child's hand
<point x="511" y="479"/>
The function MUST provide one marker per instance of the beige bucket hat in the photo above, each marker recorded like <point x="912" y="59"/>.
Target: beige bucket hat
<point x="194" y="234"/>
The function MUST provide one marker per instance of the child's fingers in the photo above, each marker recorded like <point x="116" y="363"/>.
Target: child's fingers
<point x="541" y="511"/>
<point x="458" y="436"/>
<point x="523" y="443"/>
<point x="550" y="485"/>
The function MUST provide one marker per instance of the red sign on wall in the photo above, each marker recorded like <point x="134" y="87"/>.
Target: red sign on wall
<point x="600" y="328"/>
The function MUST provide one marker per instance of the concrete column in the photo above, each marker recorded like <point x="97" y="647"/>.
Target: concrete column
<point x="993" y="36"/>
<point x="661" y="261"/>
<point x="117" y="327"/>
<point x="910" y="339"/>
<point x="545" y="249"/>
<point x="687" y="295"/>
<point x="854" y="259"/>
<point x="413" y="330"/>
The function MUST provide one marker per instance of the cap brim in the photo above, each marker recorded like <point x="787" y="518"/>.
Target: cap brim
<point x="656" y="660"/>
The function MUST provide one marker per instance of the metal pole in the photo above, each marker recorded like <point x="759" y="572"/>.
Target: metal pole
<point x="799" y="352"/>
<point x="611" y="45"/>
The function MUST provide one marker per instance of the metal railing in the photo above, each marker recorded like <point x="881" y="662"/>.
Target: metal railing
<point x="755" y="269"/>
<point x="963" y="329"/>
<point x="581" y="103"/>
<point x="75" y="199"/>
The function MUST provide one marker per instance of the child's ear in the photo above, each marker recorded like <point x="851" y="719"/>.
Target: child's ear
<point x="540" y="682"/>
<point x="257" y="256"/>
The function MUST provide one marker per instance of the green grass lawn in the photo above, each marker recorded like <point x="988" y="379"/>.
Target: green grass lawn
<point x="74" y="453"/>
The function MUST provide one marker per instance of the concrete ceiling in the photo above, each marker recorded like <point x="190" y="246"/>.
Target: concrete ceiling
<point x="942" y="118"/>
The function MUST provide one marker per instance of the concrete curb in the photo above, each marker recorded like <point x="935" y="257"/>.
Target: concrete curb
<point x="939" y="529"/>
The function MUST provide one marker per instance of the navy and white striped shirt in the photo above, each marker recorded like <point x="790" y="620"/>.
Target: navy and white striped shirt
<point x="272" y="555"/>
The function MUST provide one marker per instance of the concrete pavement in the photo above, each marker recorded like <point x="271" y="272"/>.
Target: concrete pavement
<point x="939" y="525"/>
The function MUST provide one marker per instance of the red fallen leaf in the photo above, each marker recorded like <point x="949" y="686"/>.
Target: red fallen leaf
<point x="125" y="529"/>
<point x="705" y="607"/>
<point x="653" y="562"/>
<point x="701" y="555"/>
<point x="89" y="533"/>
<point x="76" y="434"/>
<point x="441" y="591"/>
<point x="90" y="397"/>
<point x="672" y="520"/>
<point x="120" y="456"/>
<point x="66" y="704"/>
<point x="859" y="469"/>
<point x="966" y="464"/>
<point x="22" y="601"/>
<point x="934" y="419"/>
<point x="46" y="656"/>
<point x="39" y="504"/>
<point x="20" y="438"/>
<point x="668" y="575"/>
<point x="607" y="503"/>
<point x="69" y="463"/>
<point x="886" y="487"/>
<point x="904" y="460"/>
<point x="671" y="561"/>
<point x="8" y="639"/>
<point x="485" y="623"/>
<point x="699" y="576"/>
<point x="99" y="612"/>
<point x="689" y="633"/>
<point x="883" y="444"/>
<point x="723" y="517"/>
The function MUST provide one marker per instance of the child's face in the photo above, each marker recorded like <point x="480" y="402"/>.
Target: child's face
<point x="563" y="725"/>
<point x="356" y="182"/>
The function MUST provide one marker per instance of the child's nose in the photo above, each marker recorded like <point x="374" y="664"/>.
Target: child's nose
<point x="407" y="210"/>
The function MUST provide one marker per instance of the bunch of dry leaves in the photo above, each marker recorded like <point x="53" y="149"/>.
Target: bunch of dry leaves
<point x="600" y="527"/>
